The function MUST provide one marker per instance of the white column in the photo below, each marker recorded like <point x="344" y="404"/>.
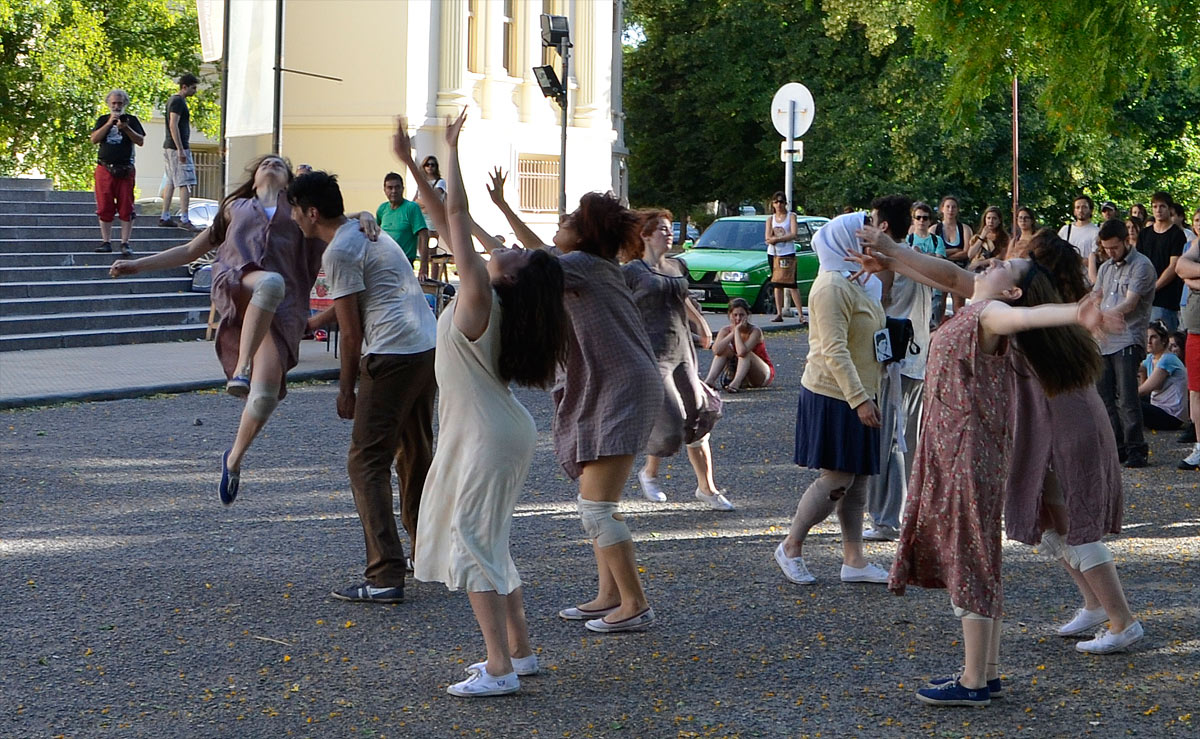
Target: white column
<point x="535" y="108"/>
<point x="591" y="59"/>
<point x="452" y="56"/>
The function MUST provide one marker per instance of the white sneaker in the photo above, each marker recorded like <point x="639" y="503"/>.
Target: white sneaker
<point x="793" y="567"/>
<point x="717" y="501"/>
<point x="650" y="489"/>
<point x="521" y="665"/>
<point x="481" y="684"/>
<point x="1191" y="461"/>
<point x="1107" y="642"/>
<point x="871" y="573"/>
<point x="1084" y="620"/>
<point x="880" y="533"/>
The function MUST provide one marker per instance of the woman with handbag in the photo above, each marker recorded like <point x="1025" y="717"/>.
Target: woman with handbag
<point x="780" y="236"/>
<point x="690" y="408"/>
<point x="837" y="419"/>
<point x="116" y="133"/>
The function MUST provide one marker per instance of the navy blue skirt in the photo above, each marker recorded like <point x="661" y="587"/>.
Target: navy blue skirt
<point x="829" y="436"/>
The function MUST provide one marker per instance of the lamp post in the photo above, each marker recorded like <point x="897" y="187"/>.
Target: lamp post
<point x="556" y="33"/>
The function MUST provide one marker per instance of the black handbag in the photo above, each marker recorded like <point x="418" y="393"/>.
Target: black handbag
<point x="902" y="338"/>
<point x="118" y="171"/>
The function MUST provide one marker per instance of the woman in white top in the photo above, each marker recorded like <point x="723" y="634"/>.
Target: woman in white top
<point x="506" y="324"/>
<point x="780" y="235"/>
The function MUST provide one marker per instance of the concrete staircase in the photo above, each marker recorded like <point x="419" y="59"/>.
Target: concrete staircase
<point x="55" y="291"/>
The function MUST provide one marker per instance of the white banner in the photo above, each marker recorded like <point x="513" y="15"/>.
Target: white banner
<point x="212" y="28"/>
<point x="251" y="94"/>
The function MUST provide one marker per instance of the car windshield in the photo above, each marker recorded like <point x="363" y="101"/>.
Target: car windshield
<point x="741" y="235"/>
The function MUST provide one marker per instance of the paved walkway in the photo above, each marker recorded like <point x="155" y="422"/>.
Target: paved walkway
<point x="49" y="376"/>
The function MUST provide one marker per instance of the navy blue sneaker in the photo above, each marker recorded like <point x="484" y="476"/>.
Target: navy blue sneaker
<point x="995" y="689"/>
<point x="954" y="694"/>
<point x="229" y="480"/>
<point x="368" y="593"/>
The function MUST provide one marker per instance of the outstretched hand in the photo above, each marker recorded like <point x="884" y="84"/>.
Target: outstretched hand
<point x="454" y="128"/>
<point x="871" y="262"/>
<point x="402" y="142"/>
<point x="123" y="268"/>
<point x="876" y="240"/>
<point x="1099" y="321"/>
<point x="496" y="189"/>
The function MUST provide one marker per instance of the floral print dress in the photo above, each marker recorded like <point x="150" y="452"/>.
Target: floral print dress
<point x="951" y="534"/>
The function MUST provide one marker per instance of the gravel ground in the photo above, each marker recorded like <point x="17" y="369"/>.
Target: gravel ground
<point x="135" y="605"/>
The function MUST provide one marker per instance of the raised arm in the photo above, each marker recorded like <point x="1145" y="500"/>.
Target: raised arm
<point x="524" y="234"/>
<point x="402" y="148"/>
<point x="474" y="301"/>
<point x="1003" y="319"/>
<point x="939" y="273"/>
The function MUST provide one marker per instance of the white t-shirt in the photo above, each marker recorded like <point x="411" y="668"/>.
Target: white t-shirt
<point x="1083" y="238"/>
<point x="1172" y="396"/>
<point x="912" y="300"/>
<point x="779" y="228"/>
<point x="396" y="317"/>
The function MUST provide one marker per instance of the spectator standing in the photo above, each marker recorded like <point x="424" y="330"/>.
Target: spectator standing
<point x="781" y="242"/>
<point x="1109" y="211"/>
<point x="957" y="237"/>
<point x="926" y="242"/>
<point x="1178" y="216"/>
<point x="1189" y="270"/>
<point x="177" y="154"/>
<point x="901" y="393"/>
<point x="1125" y="285"/>
<point x="387" y="380"/>
<point x="1162" y="383"/>
<point x="1138" y="211"/>
<point x="403" y="221"/>
<point x="116" y="133"/>
<point x="1082" y="233"/>
<point x="1163" y="243"/>
<point x="432" y="173"/>
<point x="1026" y="227"/>
<point x="992" y="240"/>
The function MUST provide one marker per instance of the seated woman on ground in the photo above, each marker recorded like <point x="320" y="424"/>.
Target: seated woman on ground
<point x="741" y="343"/>
<point x="1162" y="383"/>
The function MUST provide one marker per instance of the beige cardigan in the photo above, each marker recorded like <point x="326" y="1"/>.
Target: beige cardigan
<point x="843" y="320"/>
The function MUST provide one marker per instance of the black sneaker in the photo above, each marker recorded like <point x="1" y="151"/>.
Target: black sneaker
<point x="368" y="593"/>
<point x="1188" y="436"/>
<point x="1136" y="462"/>
<point x="105" y="248"/>
<point x="126" y="252"/>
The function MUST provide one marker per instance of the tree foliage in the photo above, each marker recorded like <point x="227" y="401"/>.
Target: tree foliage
<point x="700" y="80"/>
<point x="59" y="58"/>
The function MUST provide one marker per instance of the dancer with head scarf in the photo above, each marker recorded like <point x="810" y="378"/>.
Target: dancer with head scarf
<point x="837" y="419"/>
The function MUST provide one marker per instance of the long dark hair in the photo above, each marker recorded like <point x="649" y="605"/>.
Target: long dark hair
<point x="533" y="323"/>
<point x="1001" y="235"/>
<point x="220" y="224"/>
<point x="1064" y="358"/>
<point x="604" y="226"/>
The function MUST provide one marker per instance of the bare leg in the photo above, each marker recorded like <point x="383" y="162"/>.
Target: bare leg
<point x="490" y="612"/>
<point x="1106" y="585"/>
<point x="518" y="630"/>
<point x="717" y="368"/>
<point x="256" y="322"/>
<point x="818" y="501"/>
<point x="268" y="372"/>
<point x="185" y="196"/>
<point x="167" y="192"/>
<point x="650" y="469"/>
<point x="1090" y="600"/>
<point x="604" y="480"/>
<point x="795" y="293"/>
<point x="779" y="303"/>
<point x="752" y="371"/>
<point x="993" y="665"/>
<point x="977" y="645"/>
<point x="607" y="594"/>
<point x="106" y="231"/>
<point x="701" y="459"/>
<point x="126" y="231"/>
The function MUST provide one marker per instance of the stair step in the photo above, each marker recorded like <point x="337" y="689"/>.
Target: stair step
<point x="78" y="220"/>
<point x="97" y="320"/>
<point x="51" y="196"/>
<point x="77" y="273"/>
<point x="101" y="337"/>
<point x="44" y="246"/>
<point x="108" y="286"/>
<point x="25" y="183"/>
<point x="63" y="259"/>
<point x="92" y="232"/>
<point x="33" y="206"/>
<point x="84" y="303"/>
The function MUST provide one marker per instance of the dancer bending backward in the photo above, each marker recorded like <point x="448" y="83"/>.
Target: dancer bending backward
<point x="742" y="343"/>
<point x="606" y="396"/>
<point x="690" y="409"/>
<point x="837" y="419"/>
<point x="262" y="276"/>
<point x="506" y="324"/>
<point x="950" y="537"/>
<point x="1064" y="486"/>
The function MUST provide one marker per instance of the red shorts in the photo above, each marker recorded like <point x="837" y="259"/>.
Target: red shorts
<point x="1191" y="360"/>
<point x="113" y="196"/>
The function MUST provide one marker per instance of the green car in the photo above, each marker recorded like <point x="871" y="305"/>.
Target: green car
<point x="729" y="260"/>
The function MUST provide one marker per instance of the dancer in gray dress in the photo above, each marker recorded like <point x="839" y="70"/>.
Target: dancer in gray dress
<point x="606" y="396"/>
<point x="690" y="408"/>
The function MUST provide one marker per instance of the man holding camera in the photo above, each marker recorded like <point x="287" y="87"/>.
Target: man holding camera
<point x="116" y="133"/>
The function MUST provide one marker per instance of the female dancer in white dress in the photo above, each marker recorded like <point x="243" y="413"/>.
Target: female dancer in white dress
<point x="506" y="324"/>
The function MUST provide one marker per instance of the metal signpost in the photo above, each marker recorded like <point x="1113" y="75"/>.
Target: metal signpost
<point x="792" y="111"/>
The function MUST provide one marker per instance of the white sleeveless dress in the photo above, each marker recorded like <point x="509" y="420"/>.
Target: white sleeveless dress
<point x="484" y="448"/>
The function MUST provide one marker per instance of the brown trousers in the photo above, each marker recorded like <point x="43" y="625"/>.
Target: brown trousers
<point x="393" y="423"/>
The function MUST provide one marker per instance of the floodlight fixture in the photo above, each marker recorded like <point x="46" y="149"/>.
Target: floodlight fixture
<point x="555" y="30"/>
<point x="548" y="80"/>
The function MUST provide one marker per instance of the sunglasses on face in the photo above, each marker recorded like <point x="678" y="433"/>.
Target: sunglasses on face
<point x="921" y="218"/>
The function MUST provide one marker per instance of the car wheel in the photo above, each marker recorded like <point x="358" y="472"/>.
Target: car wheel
<point x="766" y="300"/>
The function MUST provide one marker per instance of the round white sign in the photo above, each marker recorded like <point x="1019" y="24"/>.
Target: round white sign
<point x="781" y="108"/>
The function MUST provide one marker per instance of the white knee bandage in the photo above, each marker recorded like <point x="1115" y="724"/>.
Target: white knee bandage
<point x="699" y="443"/>
<point x="969" y="615"/>
<point x="261" y="402"/>
<point x="1084" y="557"/>
<point x="600" y="521"/>
<point x="1053" y="545"/>
<point x="268" y="291"/>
